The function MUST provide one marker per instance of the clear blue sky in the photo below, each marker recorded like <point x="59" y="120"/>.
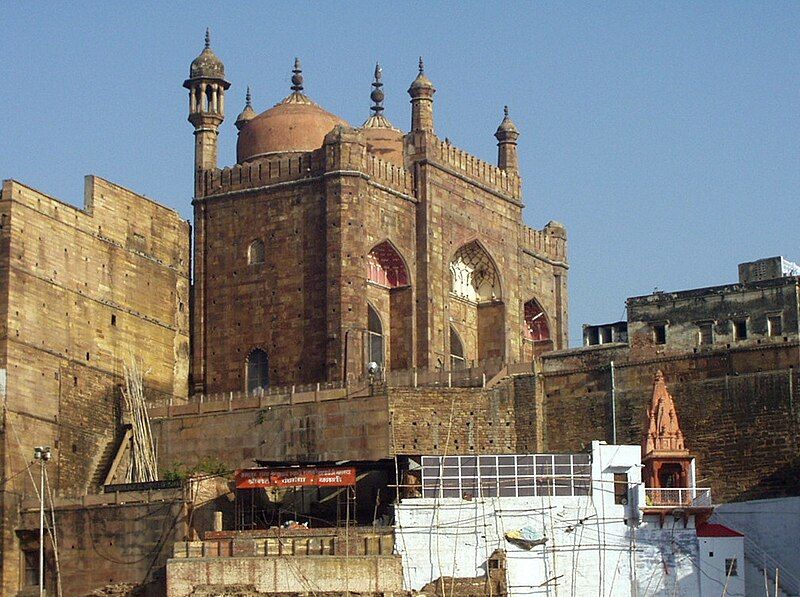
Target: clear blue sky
<point x="665" y="136"/>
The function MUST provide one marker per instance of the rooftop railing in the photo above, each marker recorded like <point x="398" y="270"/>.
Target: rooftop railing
<point x="677" y="497"/>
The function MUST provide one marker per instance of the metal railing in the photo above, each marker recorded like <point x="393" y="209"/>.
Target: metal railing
<point x="677" y="497"/>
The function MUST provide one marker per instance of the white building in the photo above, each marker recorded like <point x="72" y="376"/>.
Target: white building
<point x="570" y="524"/>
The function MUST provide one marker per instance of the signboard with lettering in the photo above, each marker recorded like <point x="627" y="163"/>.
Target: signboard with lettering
<point x="254" y="478"/>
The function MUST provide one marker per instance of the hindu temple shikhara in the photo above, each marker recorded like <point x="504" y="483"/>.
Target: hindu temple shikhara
<point x="366" y="362"/>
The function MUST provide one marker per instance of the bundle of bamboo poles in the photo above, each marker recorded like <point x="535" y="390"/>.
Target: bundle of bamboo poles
<point x="142" y="463"/>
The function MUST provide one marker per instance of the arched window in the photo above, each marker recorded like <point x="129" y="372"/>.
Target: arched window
<point x="536" y="327"/>
<point x="474" y="275"/>
<point x="386" y="267"/>
<point x="374" y="337"/>
<point x="255" y="252"/>
<point x="457" y="360"/>
<point x="257" y="370"/>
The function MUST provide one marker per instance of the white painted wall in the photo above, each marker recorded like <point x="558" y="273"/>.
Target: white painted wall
<point x="594" y="546"/>
<point x="714" y="578"/>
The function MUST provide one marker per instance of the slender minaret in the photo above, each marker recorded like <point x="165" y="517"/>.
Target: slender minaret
<point x="507" y="135"/>
<point x="206" y="85"/>
<point x="421" y="92"/>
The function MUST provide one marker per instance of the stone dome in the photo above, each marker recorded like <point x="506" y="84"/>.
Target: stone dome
<point x="207" y="65"/>
<point x="295" y="124"/>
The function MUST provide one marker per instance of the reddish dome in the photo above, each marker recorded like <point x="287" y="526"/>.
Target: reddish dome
<point x="295" y="124"/>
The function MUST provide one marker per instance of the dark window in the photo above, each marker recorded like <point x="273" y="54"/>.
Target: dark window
<point x="257" y="370"/>
<point x="113" y="320"/>
<point x="457" y="360"/>
<point x="606" y="335"/>
<point x="255" y="252"/>
<point x="621" y="488"/>
<point x="731" y="567"/>
<point x="660" y="333"/>
<point x="536" y="327"/>
<point x="740" y="329"/>
<point x="705" y="333"/>
<point x="374" y="337"/>
<point x="774" y="325"/>
<point x="31" y="565"/>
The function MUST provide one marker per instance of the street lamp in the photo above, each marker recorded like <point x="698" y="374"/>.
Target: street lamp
<point x="41" y="453"/>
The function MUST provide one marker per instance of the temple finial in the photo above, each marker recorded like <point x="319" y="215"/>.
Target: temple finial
<point x="297" y="77"/>
<point x="505" y="111"/>
<point x="421" y="66"/>
<point x="208" y="37"/>
<point x="377" y="94"/>
<point x="248" y="98"/>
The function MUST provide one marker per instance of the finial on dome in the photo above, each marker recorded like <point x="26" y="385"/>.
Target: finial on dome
<point x="297" y="77"/>
<point x="248" y="98"/>
<point x="248" y="113"/>
<point x="421" y="66"/>
<point x="377" y="95"/>
<point x="505" y="111"/>
<point x="208" y="37"/>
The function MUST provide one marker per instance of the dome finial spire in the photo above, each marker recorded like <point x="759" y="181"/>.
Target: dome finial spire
<point x="505" y="111"/>
<point x="377" y="94"/>
<point x="208" y="37"/>
<point x="421" y="66"/>
<point x="248" y="98"/>
<point x="297" y="76"/>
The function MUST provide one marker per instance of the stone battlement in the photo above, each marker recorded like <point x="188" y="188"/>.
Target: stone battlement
<point x="544" y="243"/>
<point x="445" y="154"/>
<point x="285" y="168"/>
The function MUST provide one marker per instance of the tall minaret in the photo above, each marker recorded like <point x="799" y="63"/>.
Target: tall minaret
<point x="421" y="92"/>
<point x="507" y="135"/>
<point x="206" y="85"/>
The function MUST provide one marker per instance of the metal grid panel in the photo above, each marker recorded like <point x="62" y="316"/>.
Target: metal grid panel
<point x="506" y="475"/>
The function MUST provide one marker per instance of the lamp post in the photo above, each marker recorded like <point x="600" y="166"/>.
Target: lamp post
<point x="41" y="453"/>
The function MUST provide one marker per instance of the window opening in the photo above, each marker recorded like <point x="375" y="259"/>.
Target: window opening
<point x="621" y="488"/>
<point x="255" y="252"/>
<point x="386" y="267"/>
<point x="705" y="333"/>
<point x="740" y="329"/>
<point x="31" y="564"/>
<point x="257" y="370"/>
<point x="374" y="337"/>
<point x="457" y="360"/>
<point x="660" y="333"/>
<point x="731" y="567"/>
<point x="536" y="327"/>
<point x="774" y="325"/>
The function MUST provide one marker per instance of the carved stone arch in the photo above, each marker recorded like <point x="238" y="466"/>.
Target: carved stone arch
<point x="386" y="266"/>
<point x="256" y="370"/>
<point x="474" y="274"/>
<point x="536" y="322"/>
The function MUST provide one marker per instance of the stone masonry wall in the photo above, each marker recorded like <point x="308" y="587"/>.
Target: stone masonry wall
<point x="737" y="409"/>
<point x="86" y="290"/>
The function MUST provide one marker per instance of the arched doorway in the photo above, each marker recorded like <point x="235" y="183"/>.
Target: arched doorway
<point x="390" y="296"/>
<point x="478" y="305"/>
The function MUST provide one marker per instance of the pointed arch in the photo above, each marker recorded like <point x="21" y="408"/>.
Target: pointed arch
<point x="386" y="267"/>
<point x="457" y="360"/>
<point x="474" y="274"/>
<point x="537" y="327"/>
<point x="257" y="373"/>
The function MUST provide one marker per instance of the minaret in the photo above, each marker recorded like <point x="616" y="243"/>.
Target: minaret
<point x="507" y="135"/>
<point x="421" y="92"/>
<point x="206" y="85"/>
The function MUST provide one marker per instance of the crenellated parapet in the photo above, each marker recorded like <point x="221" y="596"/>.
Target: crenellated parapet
<point x="550" y="243"/>
<point x="262" y="172"/>
<point x="390" y="175"/>
<point x="443" y="154"/>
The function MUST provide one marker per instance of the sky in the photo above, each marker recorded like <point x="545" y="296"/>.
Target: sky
<point x="665" y="135"/>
